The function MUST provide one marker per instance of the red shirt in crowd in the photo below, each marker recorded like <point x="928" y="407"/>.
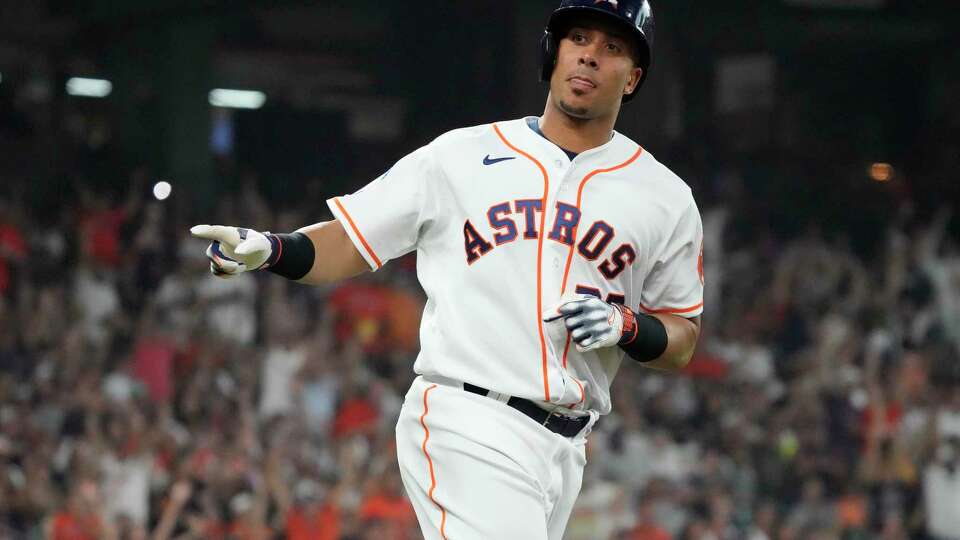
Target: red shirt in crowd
<point x="356" y="415"/>
<point x="101" y="232"/>
<point x="363" y="312"/>
<point x="886" y="422"/>
<point x="152" y="365"/>
<point x="648" y="532"/>
<point x="707" y="366"/>
<point x="11" y="243"/>
<point x="380" y="318"/>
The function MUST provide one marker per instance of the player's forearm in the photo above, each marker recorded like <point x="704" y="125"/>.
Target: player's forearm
<point x="682" y="336"/>
<point x="335" y="257"/>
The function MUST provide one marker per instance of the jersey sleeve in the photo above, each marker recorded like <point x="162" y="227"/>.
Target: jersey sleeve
<point x="675" y="282"/>
<point x="384" y="219"/>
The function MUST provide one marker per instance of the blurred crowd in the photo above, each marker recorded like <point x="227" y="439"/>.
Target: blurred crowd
<point x="823" y="401"/>
<point x="140" y="397"/>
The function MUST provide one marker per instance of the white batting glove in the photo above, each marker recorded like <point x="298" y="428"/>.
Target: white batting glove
<point x="592" y="323"/>
<point x="234" y="250"/>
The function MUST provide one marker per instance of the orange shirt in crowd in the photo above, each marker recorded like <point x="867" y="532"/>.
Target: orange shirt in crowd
<point x="242" y="530"/>
<point x="395" y="509"/>
<point x="852" y="511"/>
<point x="67" y="526"/>
<point x="323" y="525"/>
<point x="405" y="312"/>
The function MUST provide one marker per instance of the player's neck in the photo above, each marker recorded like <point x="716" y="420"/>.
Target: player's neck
<point x="575" y="134"/>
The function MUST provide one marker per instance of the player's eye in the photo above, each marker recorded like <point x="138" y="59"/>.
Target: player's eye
<point x="613" y="47"/>
<point x="578" y="37"/>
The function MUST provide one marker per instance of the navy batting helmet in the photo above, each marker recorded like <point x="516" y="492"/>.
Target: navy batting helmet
<point x="635" y="16"/>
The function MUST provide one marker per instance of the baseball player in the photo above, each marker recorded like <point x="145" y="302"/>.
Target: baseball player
<point x="550" y="248"/>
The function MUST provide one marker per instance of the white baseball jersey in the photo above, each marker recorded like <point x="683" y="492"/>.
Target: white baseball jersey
<point x="503" y="223"/>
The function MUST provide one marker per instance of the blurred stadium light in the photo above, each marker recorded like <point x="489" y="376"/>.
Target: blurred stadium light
<point x="162" y="190"/>
<point x="881" y="172"/>
<point x="80" y="86"/>
<point x="237" y="99"/>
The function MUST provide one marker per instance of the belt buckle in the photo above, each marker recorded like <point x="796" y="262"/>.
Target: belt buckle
<point x="546" y="421"/>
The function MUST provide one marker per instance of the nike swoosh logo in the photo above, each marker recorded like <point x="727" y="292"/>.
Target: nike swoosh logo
<point x="488" y="161"/>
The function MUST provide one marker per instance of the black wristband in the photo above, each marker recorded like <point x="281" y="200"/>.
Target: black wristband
<point x="293" y="255"/>
<point x="645" y="337"/>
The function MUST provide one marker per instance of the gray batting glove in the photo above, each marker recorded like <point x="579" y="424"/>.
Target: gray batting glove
<point x="234" y="250"/>
<point x="592" y="323"/>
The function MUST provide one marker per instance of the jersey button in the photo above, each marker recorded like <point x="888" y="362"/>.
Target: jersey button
<point x="556" y="262"/>
<point x="559" y="164"/>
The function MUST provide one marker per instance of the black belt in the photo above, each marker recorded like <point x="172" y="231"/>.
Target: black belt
<point x="567" y="426"/>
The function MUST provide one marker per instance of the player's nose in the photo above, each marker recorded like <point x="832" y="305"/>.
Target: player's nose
<point x="588" y="58"/>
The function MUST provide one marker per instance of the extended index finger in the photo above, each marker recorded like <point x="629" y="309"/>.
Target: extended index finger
<point x="569" y="307"/>
<point x="228" y="235"/>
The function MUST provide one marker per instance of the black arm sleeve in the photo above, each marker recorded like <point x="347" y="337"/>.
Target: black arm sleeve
<point x="644" y="337"/>
<point x="293" y="255"/>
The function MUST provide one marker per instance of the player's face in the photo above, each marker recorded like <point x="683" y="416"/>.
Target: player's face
<point x="595" y="68"/>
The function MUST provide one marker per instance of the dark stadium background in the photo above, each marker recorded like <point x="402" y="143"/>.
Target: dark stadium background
<point x="142" y="398"/>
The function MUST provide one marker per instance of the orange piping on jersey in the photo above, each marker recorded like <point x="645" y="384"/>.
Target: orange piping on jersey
<point x="433" y="479"/>
<point x="582" y="394"/>
<point x="573" y="234"/>
<point x="543" y="214"/>
<point x="359" y="234"/>
<point x="566" y="349"/>
<point x="672" y="310"/>
<point x="566" y="270"/>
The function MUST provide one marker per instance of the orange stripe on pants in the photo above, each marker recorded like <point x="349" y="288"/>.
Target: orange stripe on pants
<point x="433" y="478"/>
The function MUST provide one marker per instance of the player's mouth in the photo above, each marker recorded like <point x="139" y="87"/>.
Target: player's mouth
<point x="582" y="83"/>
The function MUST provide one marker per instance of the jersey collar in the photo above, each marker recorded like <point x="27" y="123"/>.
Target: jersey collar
<point x="618" y="148"/>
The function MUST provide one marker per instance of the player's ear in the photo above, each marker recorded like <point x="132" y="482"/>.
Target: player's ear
<point x="633" y="81"/>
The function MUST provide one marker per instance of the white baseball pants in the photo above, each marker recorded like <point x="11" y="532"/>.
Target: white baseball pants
<point x="475" y="468"/>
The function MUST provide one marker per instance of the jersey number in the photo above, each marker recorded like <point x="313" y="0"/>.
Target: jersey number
<point x="612" y="298"/>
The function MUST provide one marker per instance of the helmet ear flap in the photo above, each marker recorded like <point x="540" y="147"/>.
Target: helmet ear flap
<point x="548" y="58"/>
